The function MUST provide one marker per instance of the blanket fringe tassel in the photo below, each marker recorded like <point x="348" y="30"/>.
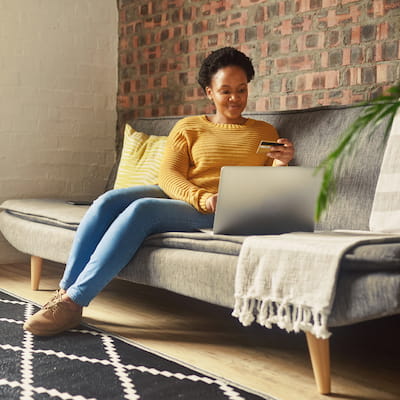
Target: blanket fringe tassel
<point x="288" y="316"/>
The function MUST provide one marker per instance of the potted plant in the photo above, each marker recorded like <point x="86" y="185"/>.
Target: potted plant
<point x="376" y="111"/>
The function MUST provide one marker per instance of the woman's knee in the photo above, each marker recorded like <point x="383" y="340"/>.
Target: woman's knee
<point x="109" y="201"/>
<point x="117" y="200"/>
<point x="147" y="206"/>
<point x="107" y="197"/>
<point x="150" y="213"/>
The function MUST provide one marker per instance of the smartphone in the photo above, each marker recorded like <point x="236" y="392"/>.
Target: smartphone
<point x="80" y="202"/>
<point x="265" y="146"/>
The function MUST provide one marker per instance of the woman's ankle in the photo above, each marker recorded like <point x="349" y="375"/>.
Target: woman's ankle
<point x="66" y="299"/>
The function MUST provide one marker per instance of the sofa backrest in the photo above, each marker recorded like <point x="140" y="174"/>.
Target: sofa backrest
<point x="314" y="133"/>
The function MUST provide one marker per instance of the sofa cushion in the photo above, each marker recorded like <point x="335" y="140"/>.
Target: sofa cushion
<point x="370" y="257"/>
<point x="51" y="212"/>
<point x="140" y="159"/>
<point x="375" y="257"/>
<point x="385" y="214"/>
<point x="61" y="214"/>
<point x="318" y="129"/>
<point x="198" y="241"/>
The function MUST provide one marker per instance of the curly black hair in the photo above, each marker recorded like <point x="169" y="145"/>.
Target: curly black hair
<point x="221" y="58"/>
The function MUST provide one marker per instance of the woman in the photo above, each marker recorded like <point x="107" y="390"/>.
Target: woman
<point x="118" y="221"/>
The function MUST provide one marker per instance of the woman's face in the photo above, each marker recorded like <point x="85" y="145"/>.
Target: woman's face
<point x="229" y="91"/>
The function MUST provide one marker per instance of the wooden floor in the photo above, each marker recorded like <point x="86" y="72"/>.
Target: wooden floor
<point x="365" y="357"/>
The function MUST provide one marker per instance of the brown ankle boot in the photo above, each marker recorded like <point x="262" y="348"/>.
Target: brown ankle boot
<point x="57" y="296"/>
<point x="55" y="317"/>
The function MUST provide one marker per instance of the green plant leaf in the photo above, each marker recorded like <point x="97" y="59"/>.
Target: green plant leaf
<point x="375" y="112"/>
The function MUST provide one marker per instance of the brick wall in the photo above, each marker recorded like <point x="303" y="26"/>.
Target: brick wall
<point x="306" y="52"/>
<point x="58" y="84"/>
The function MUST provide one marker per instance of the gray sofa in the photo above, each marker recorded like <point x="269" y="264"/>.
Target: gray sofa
<point x="202" y="265"/>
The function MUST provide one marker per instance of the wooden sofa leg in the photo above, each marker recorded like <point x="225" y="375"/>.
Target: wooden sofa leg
<point x="36" y="271"/>
<point x="320" y="360"/>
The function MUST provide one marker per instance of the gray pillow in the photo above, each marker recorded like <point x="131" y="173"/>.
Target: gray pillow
<point x="385" y="214"/>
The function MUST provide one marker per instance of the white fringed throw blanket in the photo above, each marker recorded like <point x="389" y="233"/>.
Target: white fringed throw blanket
<point x="290" y="279"/>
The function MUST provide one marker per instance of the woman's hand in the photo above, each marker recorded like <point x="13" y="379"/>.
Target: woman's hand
<point x="282" y="154"/>
<point x="211" y="202"/>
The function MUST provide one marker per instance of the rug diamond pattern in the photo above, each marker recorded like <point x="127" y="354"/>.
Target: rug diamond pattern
<point x="87" y="364"/>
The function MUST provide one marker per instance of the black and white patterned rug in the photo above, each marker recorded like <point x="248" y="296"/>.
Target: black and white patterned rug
<point x="88" y="364"/>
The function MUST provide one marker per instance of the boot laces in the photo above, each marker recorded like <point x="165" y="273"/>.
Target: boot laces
<point x="57" y="298"/>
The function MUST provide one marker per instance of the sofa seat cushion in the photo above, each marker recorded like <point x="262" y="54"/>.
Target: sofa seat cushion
<point x="376" y="257"/>
<point x="59" y="213"/>
<point x="197" y="241"/>
<point x="50" y="212"/>
<point x="367" y="257"/>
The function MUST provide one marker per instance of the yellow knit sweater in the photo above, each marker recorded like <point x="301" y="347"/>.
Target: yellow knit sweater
<point x="197" y="149"/>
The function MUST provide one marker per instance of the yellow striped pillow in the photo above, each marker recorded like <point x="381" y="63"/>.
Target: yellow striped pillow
<point x="140" y="159"/>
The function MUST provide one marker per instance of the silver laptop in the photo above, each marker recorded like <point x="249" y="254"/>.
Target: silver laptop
<point x="266" y="200"/>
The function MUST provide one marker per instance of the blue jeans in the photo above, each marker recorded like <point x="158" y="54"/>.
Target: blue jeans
<point x="113" y="229"/>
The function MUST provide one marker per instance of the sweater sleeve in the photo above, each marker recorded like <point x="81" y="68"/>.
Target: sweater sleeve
<point x="173" y="176"/>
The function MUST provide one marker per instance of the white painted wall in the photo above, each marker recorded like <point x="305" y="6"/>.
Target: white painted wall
<point x="58" y="86"/>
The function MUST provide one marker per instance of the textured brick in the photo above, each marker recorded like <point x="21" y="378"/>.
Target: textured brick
<point x="306" y="101"/>
<point x="260" y="15"/>
<point x="382" y="31"/>
<point x="274" y="48"/>
<point x="247" y="3"/>
<point x="391" y="5"/>
<point x="346" y="56"/>
<point x="288" y="85"/>
<point x="213" y="7"/>
<point x="316" y="50"/>
<point x="354" y="77"/>
<point x="356" y="55"/>
<point x="368" y="33"/>
<point x="324" y="59"/>
<point x="390" y="50"/>
<point x="381" y="73"/>
<point x="262" y="104"/>
<point x="370" y="54"/>
<point x="356" y="35"/>
<point x="285" y="27"/>
<point x="307" y="5"/>
<point x="292" y="102"/>
<point x="310" y="41"/>
<point x="368" y="75"/>
<point x="273" y="10"/>
<point x="250" y="34"/>
<point x="335" y="58"/>
<point x="341" y="16"/>
<point x="329" y="3"/>
<point x="294" y="63"/>
<point x="275" y="85"/>
<point x="317" y="81"/>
